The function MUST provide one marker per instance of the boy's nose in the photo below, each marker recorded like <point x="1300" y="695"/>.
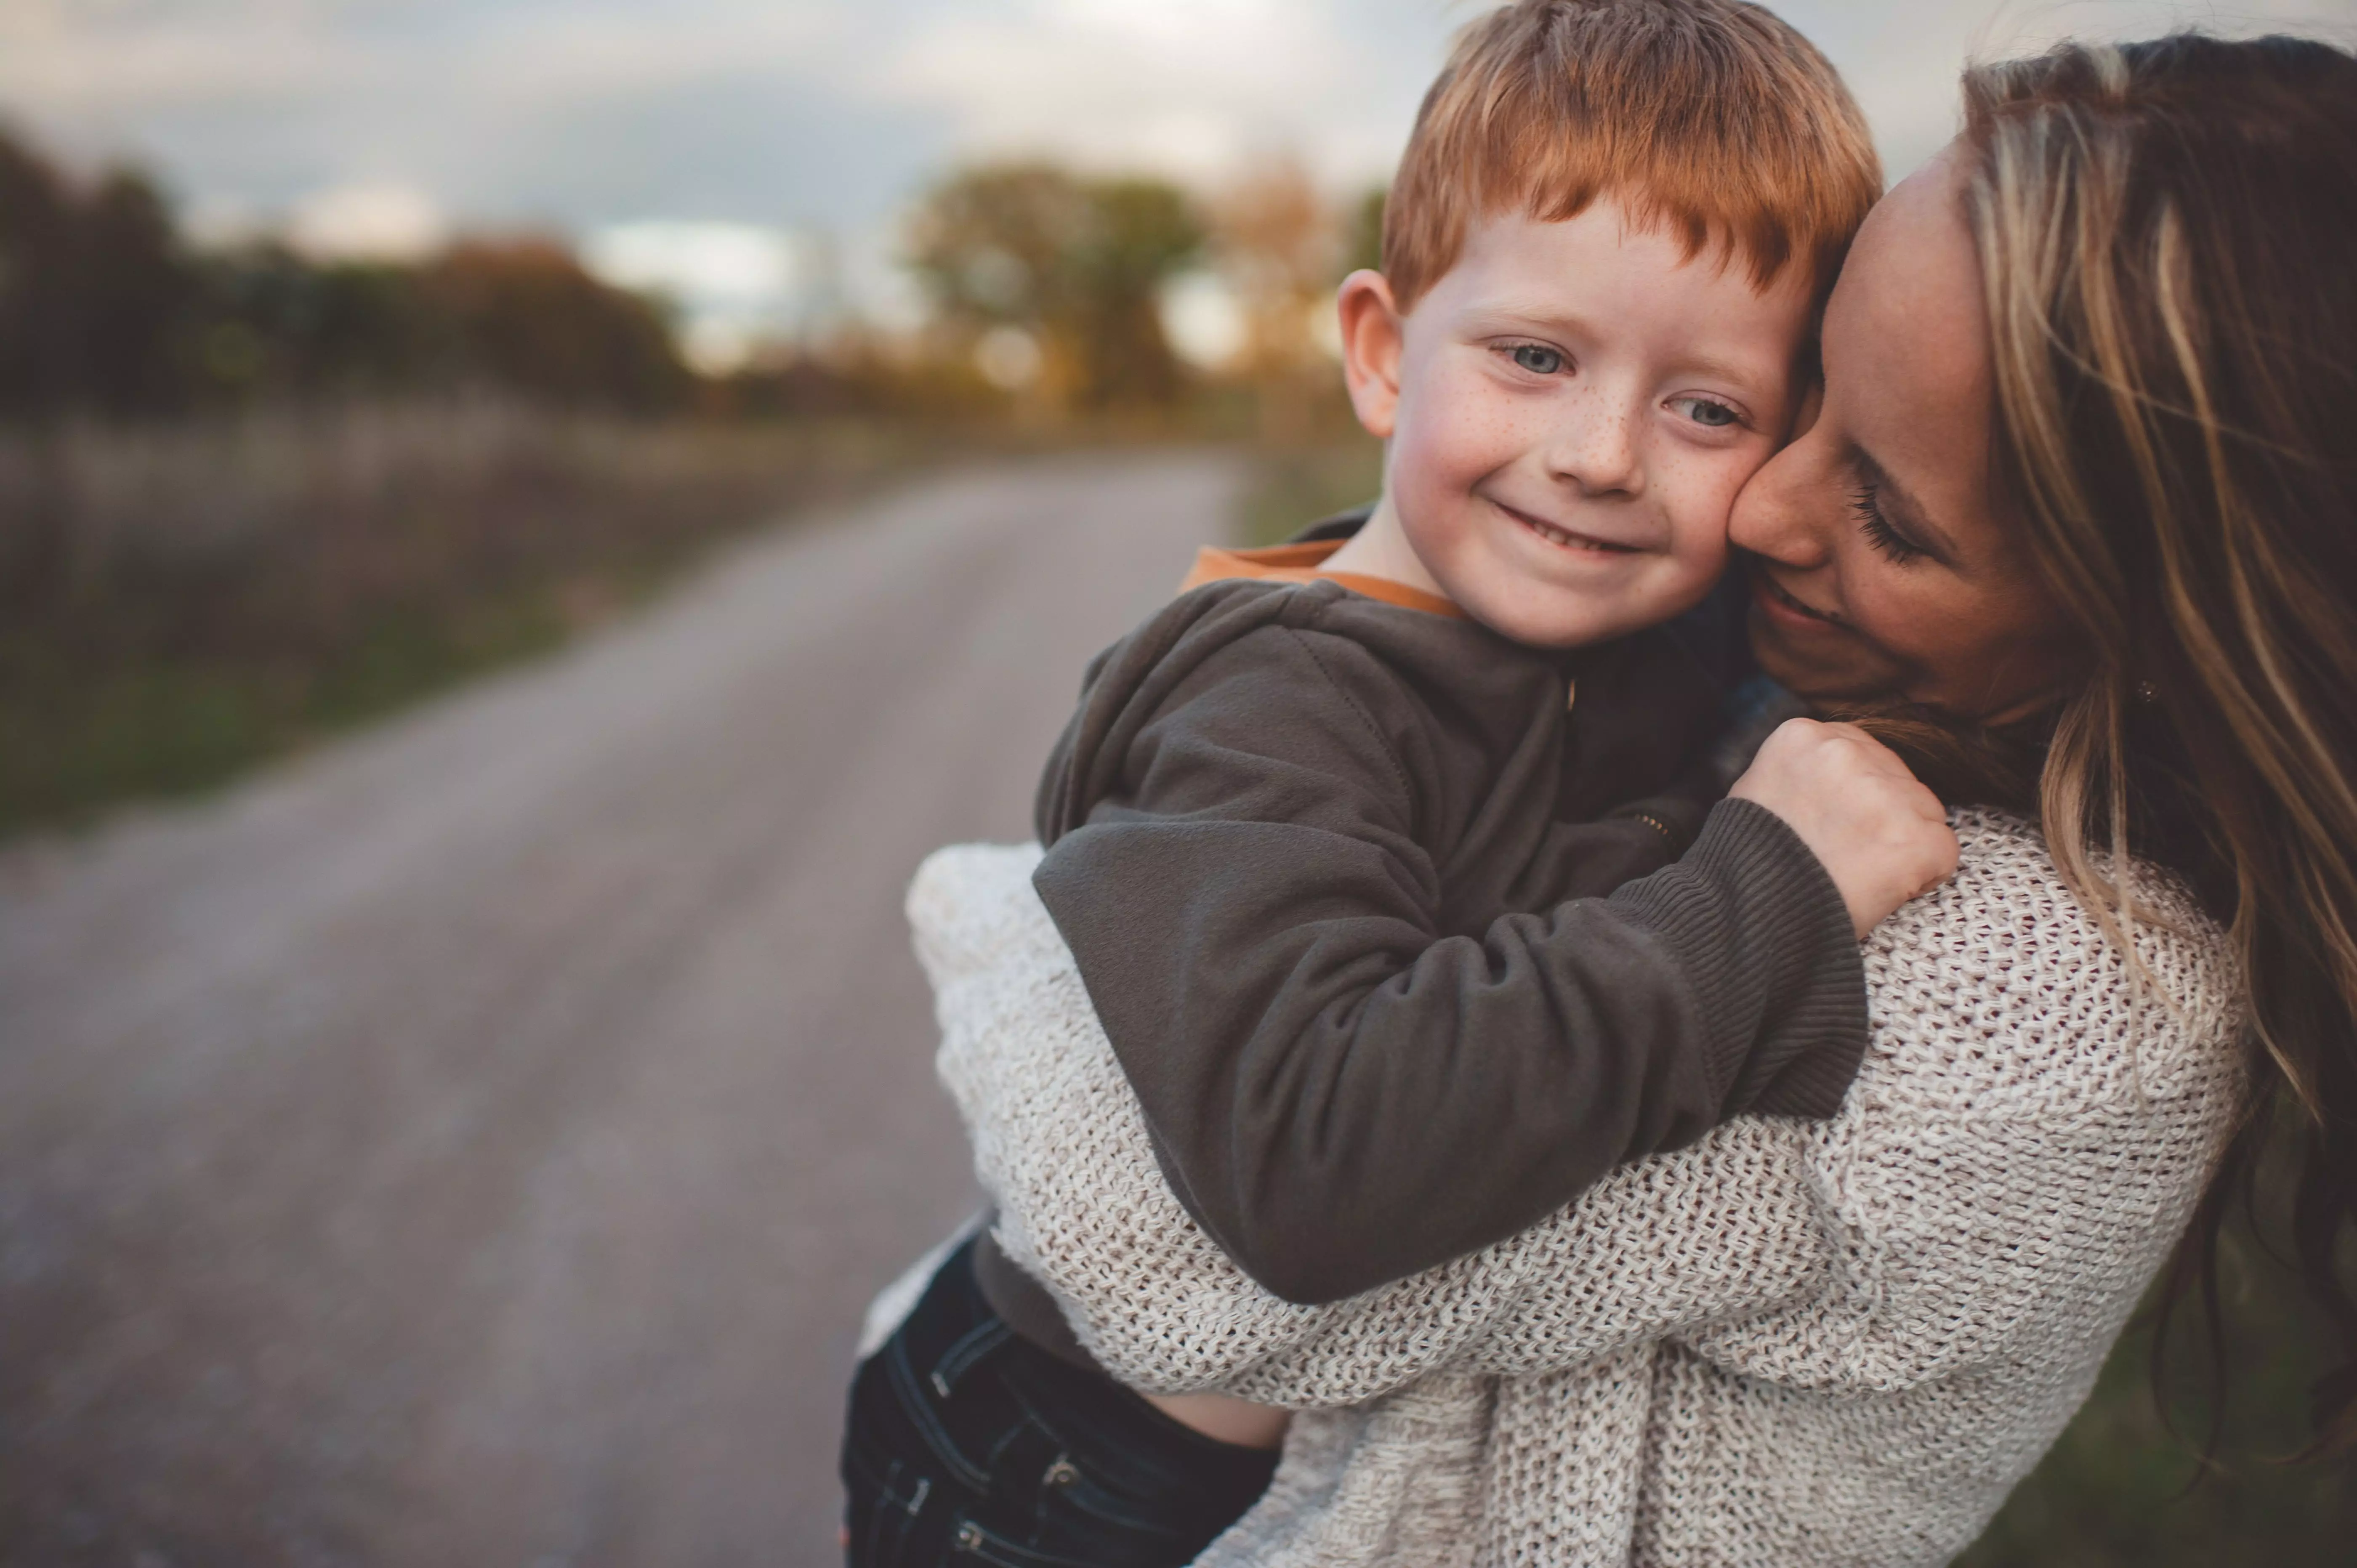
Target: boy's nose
<point x="1596" y="449"/>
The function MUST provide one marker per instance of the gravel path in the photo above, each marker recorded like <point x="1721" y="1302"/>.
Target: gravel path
<point x="471" y="1145"/>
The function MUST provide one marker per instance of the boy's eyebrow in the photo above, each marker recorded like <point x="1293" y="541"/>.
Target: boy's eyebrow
<point x="1753" y="379"/>
<point x="1901" y="506"/>
<point x="1541" y="317"/>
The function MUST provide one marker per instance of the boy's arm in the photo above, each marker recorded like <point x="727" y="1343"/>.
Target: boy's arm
<point x="1061" y="1147"/>
<point x="1340" y="1093"/>
<point x="1891" y="1245"/>
<point x="1591" y="859"/>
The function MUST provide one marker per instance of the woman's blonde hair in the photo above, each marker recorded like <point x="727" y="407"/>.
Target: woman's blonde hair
<point x="2168" y="240"/>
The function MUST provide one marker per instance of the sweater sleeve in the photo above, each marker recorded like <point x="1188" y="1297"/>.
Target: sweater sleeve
<point x="1359" y="1094"/>
<point x="2033" y="1126"/>
<point x="2002" y="1145"/>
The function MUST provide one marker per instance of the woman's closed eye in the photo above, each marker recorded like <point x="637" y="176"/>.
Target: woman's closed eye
<point x="1866" y="503"/>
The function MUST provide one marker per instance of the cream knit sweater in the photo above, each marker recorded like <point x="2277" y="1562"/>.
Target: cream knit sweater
<point x="1803" y="1343"/>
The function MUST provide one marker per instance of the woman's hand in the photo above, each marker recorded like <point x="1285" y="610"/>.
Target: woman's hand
<point x="1880" y="833"/>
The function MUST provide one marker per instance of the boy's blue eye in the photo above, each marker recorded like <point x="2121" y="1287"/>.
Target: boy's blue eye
<point x="1537" y="359"/>
<point x="1704" y="412"/>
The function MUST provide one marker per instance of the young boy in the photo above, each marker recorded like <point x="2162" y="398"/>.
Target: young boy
<point x="1344" y="819"/>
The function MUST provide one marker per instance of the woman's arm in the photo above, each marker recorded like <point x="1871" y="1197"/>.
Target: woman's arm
<point x="1874" y="1251"/>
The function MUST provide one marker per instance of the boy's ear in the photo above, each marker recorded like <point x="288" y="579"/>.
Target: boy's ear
<point x="1372" y="340"/>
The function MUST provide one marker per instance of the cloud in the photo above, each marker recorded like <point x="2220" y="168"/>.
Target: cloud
<point x="257" y="103"/>
<point x="368" y="222"/>
<point x="62" y="59"/>
<point x="735" y="285"/>
<point x="758" y="145"/>
<point x="832" y="114"/>
<point x="1193" y="90"/>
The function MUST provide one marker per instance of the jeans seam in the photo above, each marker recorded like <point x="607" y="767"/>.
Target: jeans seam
<point x="970" y="1348"/>
<point x="1045" y="1424"/>
<point x="877" y="1524"/>
<point x="913" y="1404"/>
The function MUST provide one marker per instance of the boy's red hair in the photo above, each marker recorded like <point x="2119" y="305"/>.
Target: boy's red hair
<point x="1711" y="118"/>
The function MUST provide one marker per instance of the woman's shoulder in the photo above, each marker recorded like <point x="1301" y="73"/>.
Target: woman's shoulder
<point x="2011" y="984"/>
<point x="2004" y="867"/>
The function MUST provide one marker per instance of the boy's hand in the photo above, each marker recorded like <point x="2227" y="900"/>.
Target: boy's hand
<point x="1881" y="836"/>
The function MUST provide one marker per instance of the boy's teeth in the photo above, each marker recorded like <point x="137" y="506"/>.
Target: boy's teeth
<point x="1562" y="536"/>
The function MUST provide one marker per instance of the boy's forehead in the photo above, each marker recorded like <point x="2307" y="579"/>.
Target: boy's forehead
<point x="1605" y="257"/>
<point x="1507" y="238"/>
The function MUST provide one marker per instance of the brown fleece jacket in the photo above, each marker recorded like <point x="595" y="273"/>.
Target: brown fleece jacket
<point x="1393" y="977"/>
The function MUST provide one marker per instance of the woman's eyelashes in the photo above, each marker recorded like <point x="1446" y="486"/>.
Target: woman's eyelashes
<point x="1866" y="502"/>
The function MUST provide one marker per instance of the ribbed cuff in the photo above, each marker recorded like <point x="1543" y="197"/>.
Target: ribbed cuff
<point x="1763" y="936"/>
<point x="1677" y="818"/>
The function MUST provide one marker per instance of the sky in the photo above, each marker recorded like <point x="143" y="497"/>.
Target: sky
<point x="750" y="155"/>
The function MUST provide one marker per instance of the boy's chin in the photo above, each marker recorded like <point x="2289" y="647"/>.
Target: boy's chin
<point x="1558" y="616"/>
<point x="1550" y="625"/>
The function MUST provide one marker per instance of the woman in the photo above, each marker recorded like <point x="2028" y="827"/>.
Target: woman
<point x="2080" y="502"/>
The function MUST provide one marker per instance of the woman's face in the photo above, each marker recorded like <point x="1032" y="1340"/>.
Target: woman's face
<point x="1884" y="567"/>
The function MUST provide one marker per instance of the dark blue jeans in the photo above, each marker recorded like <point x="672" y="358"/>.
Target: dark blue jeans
<point x="969" y="1445"/>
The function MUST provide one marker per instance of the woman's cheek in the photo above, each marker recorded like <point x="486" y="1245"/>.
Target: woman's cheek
<point x="1898" y="609"/>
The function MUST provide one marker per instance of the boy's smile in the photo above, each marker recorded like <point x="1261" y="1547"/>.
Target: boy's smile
<point x="1570" y="410"/>
<point x="1563" y="537"/>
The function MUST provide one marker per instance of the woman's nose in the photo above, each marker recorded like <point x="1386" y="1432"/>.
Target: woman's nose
<point x="1783" y="512"/>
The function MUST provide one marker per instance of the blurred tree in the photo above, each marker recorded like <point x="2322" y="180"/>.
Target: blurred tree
<point x="1076" y="264"/>
<point x="1140" y="232"/>
<point x="103" y="312"/>
<point x="1280" y="248"/>
<point x="1365" y="246"/>
<point x="853" y="370"/>
<point x="273" y="325"/>
<point x="36" y="349"/>
<point x="530" y="320"/>
<point x="94" y="293"/>
<point x="135" y="290"/>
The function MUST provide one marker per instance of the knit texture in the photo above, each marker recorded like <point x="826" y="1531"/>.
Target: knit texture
<point x="1790" y="1343"/>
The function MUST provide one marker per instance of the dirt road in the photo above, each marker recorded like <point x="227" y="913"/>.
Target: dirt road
<point x="471" y="1146"/>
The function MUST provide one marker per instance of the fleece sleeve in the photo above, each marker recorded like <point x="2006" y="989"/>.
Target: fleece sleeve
<point x="1341" y="1090"/>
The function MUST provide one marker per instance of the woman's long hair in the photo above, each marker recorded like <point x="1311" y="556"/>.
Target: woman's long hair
<point x="2168" y="240"/>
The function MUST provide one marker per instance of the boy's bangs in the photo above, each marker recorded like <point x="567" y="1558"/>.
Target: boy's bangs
<point x="1710" y="119"/>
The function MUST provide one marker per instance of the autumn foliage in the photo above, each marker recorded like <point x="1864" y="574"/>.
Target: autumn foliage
<point x="105" y="312"/>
